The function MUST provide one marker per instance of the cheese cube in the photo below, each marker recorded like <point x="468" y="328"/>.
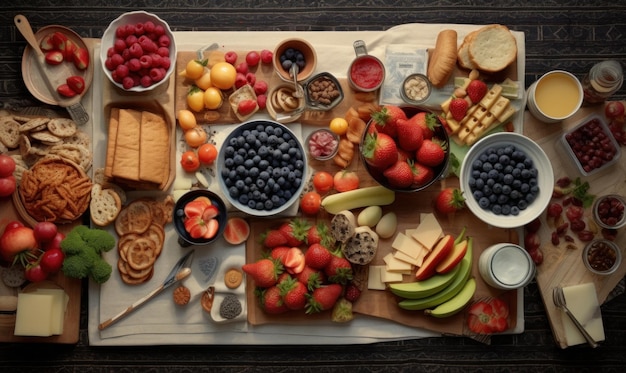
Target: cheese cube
<point x="33" y="316"/>
<point x="428" y="231"/>
<point x="386" y="276"/>
<point x="374" y="281"/>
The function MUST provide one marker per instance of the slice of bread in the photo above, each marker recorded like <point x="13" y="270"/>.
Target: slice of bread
<point x="463" y="54"/>
<point x="104" y="206"/>
<point x="492" y="48"/>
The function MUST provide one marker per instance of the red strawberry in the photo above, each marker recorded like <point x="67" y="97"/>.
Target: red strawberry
<point x="458" y="108"/>
<point x="380" y="150"/>
<point x="323" y="298"/>
<point x="421" y="174"/>
<point x="293" y="293"/>
<point x="46" y="43"/>
<point x="399" y="175"/>
<point x="385" y="119"/>
<point x="410" y="136"/>
<point x="339" y="270"/>
<point x="296" y="231"/>
<point x="319" y="234"/>
<point x="476" y="90"/>
<point x="294" y="260"/>
<point x="428" y="122"/>
<point x="312" y="278"/>
<point x="58" y="40"/>
<point x="271" y="301"/>
<point x="246" y="107"/>
<point x="449" y="200"/>
<point x="81" y="58"/>
<point x="273" y="238"/>
<point x="65" y="91"/>
<point x="431" y="153"/>
<point x="317" y="256"/>
<point x="405" y="156"/>
<point x="76" y="83"/>
<point x="279" y="253"/>
<point x="54" y="57"/>
<point x="264" y="272"/>
<point x="487" y="317"/>
<point x="352" y="292"/>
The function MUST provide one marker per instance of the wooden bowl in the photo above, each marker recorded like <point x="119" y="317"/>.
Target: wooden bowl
<point x="310" y="58"/>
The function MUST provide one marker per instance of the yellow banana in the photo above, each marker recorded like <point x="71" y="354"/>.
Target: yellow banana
<point x="456" y="303"/>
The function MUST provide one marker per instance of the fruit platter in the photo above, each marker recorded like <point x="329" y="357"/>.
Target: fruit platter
<point x="314" y="211"/>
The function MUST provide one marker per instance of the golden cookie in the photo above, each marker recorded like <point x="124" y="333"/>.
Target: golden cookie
<point x="134" y="218"/>
<point x="181" y="295"/>
<point x="233" y="278"/>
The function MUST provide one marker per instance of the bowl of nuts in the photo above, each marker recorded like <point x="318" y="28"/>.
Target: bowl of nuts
<point x="415" y="89"/>
<point x="323" y="92"/>
<point x="608" y="211"/>
<point x="602" y="257"/>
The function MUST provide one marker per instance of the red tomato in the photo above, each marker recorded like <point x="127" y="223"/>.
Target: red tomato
<point x="17" y="242"/>
<point x="310" y="203"/>
<point x="236" y="231"/>
<point x="34" y="273"/>
<point x="52" y="260"/>
<point x="189" y="161"/>
<point x="346" y="180"/>
<point x="323" y="182"/>
<point x="207" y="153"/>
<point x="7" y="165"/>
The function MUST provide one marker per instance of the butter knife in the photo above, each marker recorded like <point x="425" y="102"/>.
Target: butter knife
<point x="73" y="105"/>
<point x="181" y="270"/>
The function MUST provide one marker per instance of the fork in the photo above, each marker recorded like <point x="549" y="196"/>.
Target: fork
<point x="559" y="300"/>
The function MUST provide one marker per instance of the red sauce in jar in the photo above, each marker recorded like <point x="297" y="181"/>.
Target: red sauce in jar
<point x="366" y="72"/>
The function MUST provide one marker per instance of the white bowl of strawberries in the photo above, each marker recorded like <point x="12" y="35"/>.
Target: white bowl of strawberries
<point x="405" y="149"/>
<point x="138" y="52"/>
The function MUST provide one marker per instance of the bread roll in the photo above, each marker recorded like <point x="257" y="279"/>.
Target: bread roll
<point x="492" y="48"/>
<point x="443" y="59"/>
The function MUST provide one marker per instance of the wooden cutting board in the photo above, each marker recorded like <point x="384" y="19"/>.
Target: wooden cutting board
<point x="563" y="266"/>
<point x="383" y="304"/>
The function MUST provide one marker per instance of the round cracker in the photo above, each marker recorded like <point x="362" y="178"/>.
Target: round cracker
<point x="141" y="253"/>
<point x="62" y="127"/>
<point x="9" y="132"/>
<point x="134" y="218"/>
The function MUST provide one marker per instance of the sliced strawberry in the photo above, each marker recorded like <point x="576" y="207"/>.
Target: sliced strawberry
<point x="81" y="58"/>
<point x="246" y="107"/>
<point x="212" y="226"/>
<point x="210" y="212"/>
<point x="58" y="40"/>
<point x="68" y="52"/>
<point x="46" y="43"/>
<point x="54" y="57"/>
<point x="76" y="83"/>
<point x="194" y="209"/>
<point x="65" y="91"/>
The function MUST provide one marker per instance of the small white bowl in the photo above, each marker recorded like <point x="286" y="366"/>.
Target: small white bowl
<point x="108" y="39"/>
<point x="552" y="92"/>
<point x="545" y="179"/>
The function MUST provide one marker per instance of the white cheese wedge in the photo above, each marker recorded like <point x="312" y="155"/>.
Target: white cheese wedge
<point x="407" y="245"/>
<point x="428" y="231"/>
<point x="582" y="301"/>
<point x="406" y="258"/>
<point x="396" y="265"/>
<point x="58" y="308"/>
<point x="374" y="281"/>
<point x="387" y="276"/>
<point x="33" y="316"/>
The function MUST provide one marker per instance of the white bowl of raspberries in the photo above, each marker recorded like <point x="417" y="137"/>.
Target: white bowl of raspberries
<point x="138" y="51"/>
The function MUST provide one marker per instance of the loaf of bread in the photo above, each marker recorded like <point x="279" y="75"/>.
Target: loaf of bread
<point x="443" y="59"/>
<point x="492" y="48"/>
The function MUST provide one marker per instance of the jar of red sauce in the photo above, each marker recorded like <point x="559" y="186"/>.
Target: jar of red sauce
<point x="366" y="72"/>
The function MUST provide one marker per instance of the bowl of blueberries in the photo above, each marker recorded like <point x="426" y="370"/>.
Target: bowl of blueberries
<point x="507" y="180"/>
<point x="294" y="51"/>
<point x="262" y="168"/>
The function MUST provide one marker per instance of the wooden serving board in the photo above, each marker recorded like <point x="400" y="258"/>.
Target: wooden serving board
<point x="383" y="304"/>
<point x="563" y="266"/>
<point x="225" y="114"/>
<point x="71" y="286"/>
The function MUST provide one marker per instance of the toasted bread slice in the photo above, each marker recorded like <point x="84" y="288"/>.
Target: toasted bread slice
<point x="492" y="48"/>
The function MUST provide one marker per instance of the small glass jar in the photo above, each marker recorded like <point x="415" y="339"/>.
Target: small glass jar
<point x="602" y="257"/>
<point x="506" y="266"/>
<point x="603" y="80"/>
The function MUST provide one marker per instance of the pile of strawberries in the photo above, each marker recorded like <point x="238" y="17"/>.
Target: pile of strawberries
<point x="300" y="271"/>
<point x="403" y="152"/>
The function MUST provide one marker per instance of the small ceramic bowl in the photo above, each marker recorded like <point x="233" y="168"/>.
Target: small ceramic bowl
<point x="602" y="257"/>
<point x="139" y="18"/>
<point x="289" y="49"/>
<point x="184" y="238"/>
<point x="323" y="92"/>
<point x="415" y="89"/>
<point x="608" y="211"/>
<point x="282" y="106"/>
<point x="322" y="144"/>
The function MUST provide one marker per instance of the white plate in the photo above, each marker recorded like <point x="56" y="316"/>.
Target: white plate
<point x="545" y="179"/>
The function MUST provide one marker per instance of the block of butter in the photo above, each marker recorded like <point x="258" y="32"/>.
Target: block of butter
<point x="582" y="301"/>
<point x="41" y="313"/>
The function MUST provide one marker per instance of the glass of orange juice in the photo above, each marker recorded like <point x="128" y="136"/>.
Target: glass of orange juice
<point x="556" y="96"/>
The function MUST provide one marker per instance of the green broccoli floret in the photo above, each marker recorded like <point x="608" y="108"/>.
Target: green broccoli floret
<point x="98" y="239"/>
<point x="101" y="271"/>
<point x="73" y="243"/>
<point x="74" y="266"/>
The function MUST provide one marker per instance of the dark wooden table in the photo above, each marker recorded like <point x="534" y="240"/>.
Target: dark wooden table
<point x="569" y="35"/>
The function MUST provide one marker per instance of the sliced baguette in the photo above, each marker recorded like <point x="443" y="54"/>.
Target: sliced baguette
<point x="104" y="206"/>
<point x="463" y="54"/>
<point x="492" y="48"/>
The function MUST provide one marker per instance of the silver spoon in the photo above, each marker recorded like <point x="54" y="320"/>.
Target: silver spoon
<point x="559" y="300"/>
<point x="293" y="72"/>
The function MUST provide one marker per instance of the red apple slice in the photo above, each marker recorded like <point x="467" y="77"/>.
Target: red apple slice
<point x="456" y="255"/>
<point x="439" y="253"/>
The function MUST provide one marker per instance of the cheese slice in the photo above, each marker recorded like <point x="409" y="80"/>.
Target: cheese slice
<point x="387" y="276"/>
<point x="407" y="245"/>
<point x="33" y="316"/>
<point x="428" y="231"/>
<point x="582" y="301"/>
<point x="59" y="305"/>
<point x="406" y="258"/>
<point x="396" y="265"/>
<point x="374" y="281"/>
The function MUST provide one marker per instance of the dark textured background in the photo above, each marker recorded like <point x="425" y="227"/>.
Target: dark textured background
<point x="570" y="35"/>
